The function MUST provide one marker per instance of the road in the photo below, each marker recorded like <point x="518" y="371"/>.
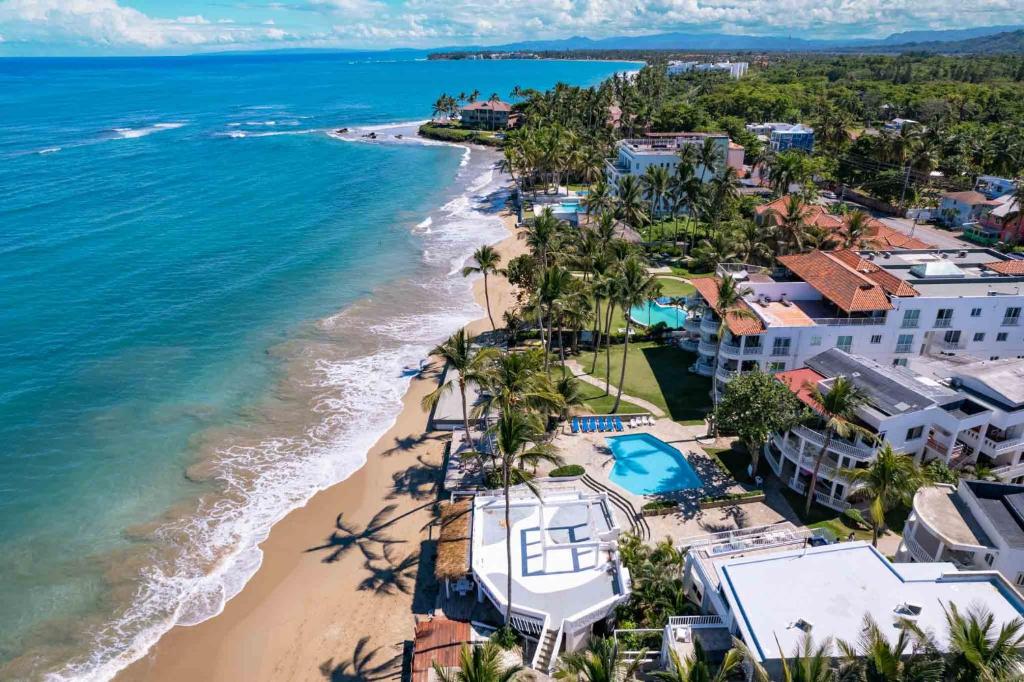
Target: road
<point x="943" y="239"/>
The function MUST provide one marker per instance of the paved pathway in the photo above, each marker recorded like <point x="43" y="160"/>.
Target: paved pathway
<point x="580" y="374"/>
<point x="943" y="239"/>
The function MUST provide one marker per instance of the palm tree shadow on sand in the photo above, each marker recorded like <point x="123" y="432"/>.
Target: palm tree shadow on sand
<point x="392" y="575"/>
<point x="346" y="537"/>
<point x="364" y="665"/>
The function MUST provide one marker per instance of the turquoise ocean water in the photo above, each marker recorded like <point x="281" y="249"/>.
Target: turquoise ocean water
<point x="208" y="300"/>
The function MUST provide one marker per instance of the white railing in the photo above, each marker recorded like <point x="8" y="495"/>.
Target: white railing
<point x="916" y="550"/>
<point x="634" y="655"/>
<point x="540" y="642"/>
<point x="554" y="650"/>
<point x="709" y="324"/>
<point x="1000" y="446"/>
<point x="528" y="623"/>
<point x="756" y="537"/>
<point x="707" y="348"/>
<point x="856" y="451"/>
<point x="692" y="324"/>
<point x="836" y="503"/>
<point x="848" y="321"/>
<point x="826" y="468"/>
<point x="696" y="621"/>
<point x="752" y="350"/>
<point x="772" y="461"/>
<point x="727" y="374"/>
<point x="1009" y="471"/>
<point x="702" y="369"/>
<point x="904" y="347"/>
<point x="729" y="349"/>
<point x="943" y="323"/>
<point x="689" y="345"/>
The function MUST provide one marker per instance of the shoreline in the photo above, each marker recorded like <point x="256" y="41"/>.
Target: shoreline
<point x="316" y="594"/>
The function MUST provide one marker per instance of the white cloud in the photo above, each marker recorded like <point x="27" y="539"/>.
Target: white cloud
<point x="107" y="23"/>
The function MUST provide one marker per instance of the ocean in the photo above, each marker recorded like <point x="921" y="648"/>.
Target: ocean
<point x="209" y="299"/>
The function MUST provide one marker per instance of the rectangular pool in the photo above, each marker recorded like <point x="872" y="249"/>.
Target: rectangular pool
<point x="646" y="465"/>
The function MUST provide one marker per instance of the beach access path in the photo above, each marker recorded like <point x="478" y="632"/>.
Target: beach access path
<point x="582" y="375"/>
<point x="327" y="602"/>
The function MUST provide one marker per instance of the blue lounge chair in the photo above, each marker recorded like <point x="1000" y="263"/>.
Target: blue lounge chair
<point x="609" y="425"/>
<point x="584" y="426"/>
<point x="618" y="424"/>
<point x="593" y="423"/>
<point x="575" y="425"/>
<point x="600" y="424"/>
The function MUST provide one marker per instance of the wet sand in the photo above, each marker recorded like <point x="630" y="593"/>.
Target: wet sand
<point x="328" y="579"/>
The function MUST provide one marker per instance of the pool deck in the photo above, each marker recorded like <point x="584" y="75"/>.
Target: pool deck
<point x="592" y="452"/>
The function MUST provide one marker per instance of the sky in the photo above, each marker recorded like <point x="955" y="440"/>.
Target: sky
<point x="131" y="27"/>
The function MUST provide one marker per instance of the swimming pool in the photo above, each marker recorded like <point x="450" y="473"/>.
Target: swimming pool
<point x="651" y="313"/>
<point x="646" y="465"/>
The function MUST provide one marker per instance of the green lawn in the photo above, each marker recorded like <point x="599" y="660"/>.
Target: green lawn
<point x="674" y="288"/>
<point x="599" y="403"/>
<point x="735" y="460"/>
<point x="660" y="374"/>
<point x="823" y="517"/>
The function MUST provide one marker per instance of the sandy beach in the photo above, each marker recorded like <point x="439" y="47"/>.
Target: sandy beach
<point x="325" y="583"/>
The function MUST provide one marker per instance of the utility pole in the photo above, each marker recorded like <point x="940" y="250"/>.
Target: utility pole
<point x="906" y="181"/>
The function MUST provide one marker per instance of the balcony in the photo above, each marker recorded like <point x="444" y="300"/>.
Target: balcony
<point x="703" y="369"/>
<point x="1011" y="321"/>
<point x="707" y="348"/>
<point x="753" y="350"/>
<point x="822" y="498"/>
<point x="692" y="324"/>
<point x="904" y="347"/>
<point x="943" y="323"/>
<point x="709" y="324"/>
<point x="729" y="350"/>
<point x="848" y="321"/>
<point x="828" y="469"/>
<point x="780" y="351"/>
<point x="858" y="452"/>
<point x="999" y="447"/>
<point x="909" y="324"/>
<point x="689" y="345"/>
<point x="724" y="374"/>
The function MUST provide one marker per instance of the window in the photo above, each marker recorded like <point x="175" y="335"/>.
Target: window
<point x="952" y="337"/>
<point x="1001" y="336"/>
<point x="1020" y="579"/>
<point x="776" y="367"/>
<point x="975" y="312"/>
<point x="910" y="318"/>
<point x="899" y="362"/>
<point x="904" y="343"/>
<point x="989" y="559"/>
<point x="877" y="338"/>
<point x="780" y="346"/>
<point x="815" y="340"/>
<point x="1011" y="318"/>
<point x="915" y="433"/>
<point x="944" y="317"/>
<point x="979" y="336"/>
<point x="844" y="343"/>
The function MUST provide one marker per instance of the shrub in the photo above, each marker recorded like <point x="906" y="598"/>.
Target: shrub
<point x="658" y="505"/>
<point x="730" y="497"/>
<point x="505" y="637"/>
<point x="567" y="470"/>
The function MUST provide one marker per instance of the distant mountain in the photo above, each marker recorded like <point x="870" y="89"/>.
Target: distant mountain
<point x="1008" y="42"/>
<point x="722" y="41"/>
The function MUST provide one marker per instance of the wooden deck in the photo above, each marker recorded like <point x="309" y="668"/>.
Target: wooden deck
<point x="437" y="641"/>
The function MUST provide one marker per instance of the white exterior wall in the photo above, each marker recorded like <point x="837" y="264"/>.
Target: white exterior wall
<point x="961" y="210"/>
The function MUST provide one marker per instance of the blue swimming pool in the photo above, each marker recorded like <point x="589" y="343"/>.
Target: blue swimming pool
<point x="646" y="465"/>
<point x="652" y="313"/>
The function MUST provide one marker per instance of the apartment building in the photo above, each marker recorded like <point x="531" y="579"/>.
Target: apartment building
<point x="735" y="69"/>
<point x="782" y="136"/>
<point x="635" y="155"/>
<point x="889" y="307"/>
<point x="976" y="525"/>
<point x="771" y="586"/>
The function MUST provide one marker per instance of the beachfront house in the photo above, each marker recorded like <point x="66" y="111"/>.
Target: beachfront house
<point x="487" y="114"/>
<point x="567" y="574"/>
<point x="893" y="307"/>
<point x="771" y="587"/>
<point x="976" y="525"/>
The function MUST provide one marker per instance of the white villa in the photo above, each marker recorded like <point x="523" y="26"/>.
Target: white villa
<point x="773" y="585"/>
<point x="566" y="571"/>
<point x="635" y="155"/>
<point x="977" y="525"/>
<point x="890" y="307"/>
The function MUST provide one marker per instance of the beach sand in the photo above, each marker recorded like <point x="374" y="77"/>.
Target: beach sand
<point x="315" y="597"/>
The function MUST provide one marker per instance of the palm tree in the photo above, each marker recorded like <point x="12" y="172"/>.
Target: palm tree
<point x="729" y="304"/>
<point x="977" y="651"/>
<point x="516" y="381"/>
<point x="481" y="663"/>
<point x="515" y="442"/>
<point x="599" y="662"/>
<point x="708" y="158"/>
<point x="554" y="284"/>
<point x="630" y="201"/>
<point x="599" y="199"/>
<point x="542" y="235"/>
<point x="855" y="229"/>
<point x="791" y="223"/>
<point x="472" y="366"/>
<point x="569" y="390"/>
<point x="838" y="408"/>
<point x="809" y="663"/>
<point x="487" y="259"/>
<point x="911" y="658"/>
<point x="636" y="287"/>
<point x="655" y="183"/>
<point x="788" y="168"/>
<point x="697" y="667"/>
<point x="890" y="480"/>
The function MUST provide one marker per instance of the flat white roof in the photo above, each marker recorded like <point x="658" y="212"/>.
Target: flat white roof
<point x="834" y="586"/>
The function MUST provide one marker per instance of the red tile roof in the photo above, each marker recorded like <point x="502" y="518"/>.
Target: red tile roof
<point x="743" y="325"/>
<point x="840" y="283"/>
<point x="802" y="382"/>
<point x="487" y="104"/>
<point x="1006" y="267"/>
<point x="814" y="214"/>
<point x="437" y="641"/>
<point x="891" y="283"/>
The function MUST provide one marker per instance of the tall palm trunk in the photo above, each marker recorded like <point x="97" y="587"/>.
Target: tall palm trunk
<point x="561" y="346"/>
<point x="508" y="549"/>
<point x="597" y="334"/>
<point x="543" y="342"/>
<point x="487" y="299"/>
<point x="465" y="414"/>
<point x="608" y="349"/>
<point x="622" y="374"/>
<point x="814" y="473"/>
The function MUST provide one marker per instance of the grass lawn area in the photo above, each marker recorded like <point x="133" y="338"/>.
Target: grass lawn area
<point x="660" y="374"/>
<point x="735" y="460"/>
<point x="823" y="517"/>
<point x="599" y="403"/>
<point x="674" y="288"/>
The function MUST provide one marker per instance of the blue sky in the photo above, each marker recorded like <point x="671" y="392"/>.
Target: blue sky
<point x="51" y="27"/>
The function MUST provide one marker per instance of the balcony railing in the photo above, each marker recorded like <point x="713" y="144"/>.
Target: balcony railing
<point x="753" y="350"/>
<point x="1011" y="321"/>
<point x="709" y="324"/>
<point x="702" y="369"/>
<point x="724" y="374"/>
<point x="692" y="324"/>
<point x="904" y="347"/>
<point x="858" y="452"/>
<point x="1001" y="446"/>
<point x="916" y="550"/>
<point x="689" y="345"/>
<point x="707" y="348"/>
<point x="729" y="349"/>
<point x="909" y="324"/>
<point x="943" y="322"/>
<point x="780" y="351"/>
<point x="848" y="321"/>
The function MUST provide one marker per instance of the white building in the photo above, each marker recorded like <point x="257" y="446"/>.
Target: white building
<point x="566" y="571"/>
<point x="897" y="124"/>
<point x="782" y="136"/>
<point x="993" y="186"/>
<point x="635" y="155"/>
<point x="771" y="591"/>
<point x="889" y="307"/>
<point x="977" y="525"/>
<point x="959" y="208"/>
<point x="735" y="69"/>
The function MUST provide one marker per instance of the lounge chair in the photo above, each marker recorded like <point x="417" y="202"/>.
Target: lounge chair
<point x="618" y="424"/>
<point x="583" y="425"/>
<point x="601" y="426"/>
<point x="574" y="425"/>
<point x="632" y="423"/>
<point x="592" y="423"/>
<point x="650" y="421"/>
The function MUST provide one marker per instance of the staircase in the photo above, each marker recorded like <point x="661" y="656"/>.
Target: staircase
<point x="545" y="650"/>
<point x="637" y="523"/>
